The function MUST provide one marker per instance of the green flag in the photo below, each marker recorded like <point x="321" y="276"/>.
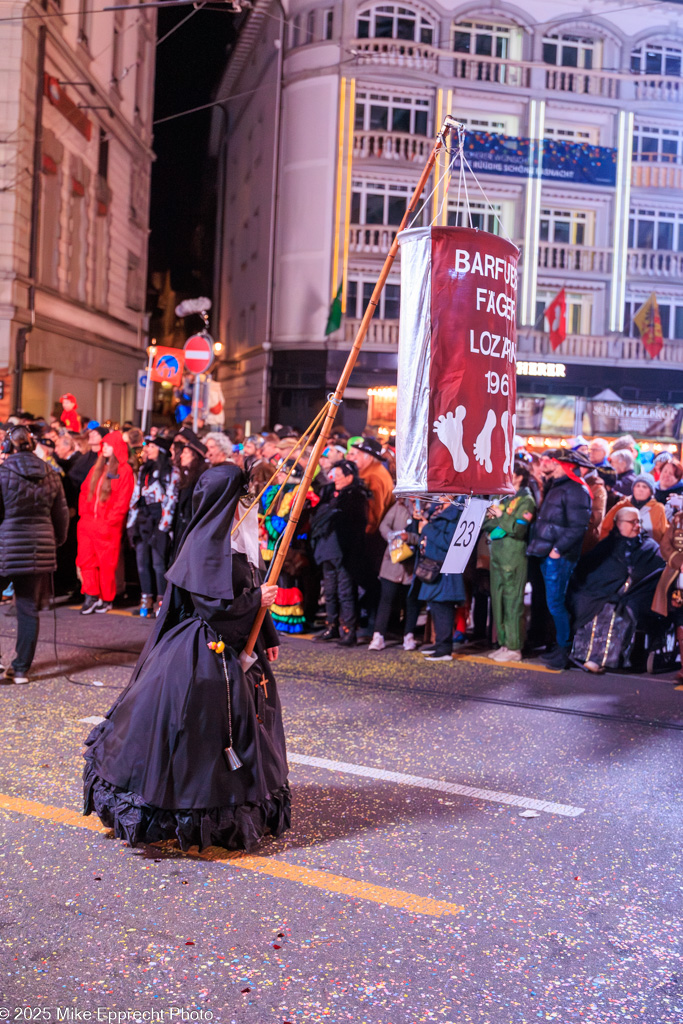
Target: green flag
<point x="335" y="315"/>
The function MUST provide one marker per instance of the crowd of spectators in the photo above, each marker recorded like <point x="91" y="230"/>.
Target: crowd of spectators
<point x="584" y="557"/>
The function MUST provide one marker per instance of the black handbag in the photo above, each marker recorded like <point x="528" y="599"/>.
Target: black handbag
<point x="428" y="570"/>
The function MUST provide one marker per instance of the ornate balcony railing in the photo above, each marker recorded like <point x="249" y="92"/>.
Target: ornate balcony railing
<point x="587" y="83"/>
<point x="656" y="175"/>
<point x="655" y="263"/>
<point x="400" y="53"/>
<point x="612" y="349"/>
<point x="370" y="238"/>
<point x="502" y="72"/>
<point x="386" y="145"/>
<point x="380" y="332"/>
<point x="574" y="258"/>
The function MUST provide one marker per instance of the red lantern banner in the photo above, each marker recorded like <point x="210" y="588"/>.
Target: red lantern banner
<point x="455" y="417"/>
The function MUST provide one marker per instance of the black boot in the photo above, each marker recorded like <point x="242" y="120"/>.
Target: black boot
<point x="331" y="633"/>
<point x="348" y="639"/>
<point x="558" y="658"/>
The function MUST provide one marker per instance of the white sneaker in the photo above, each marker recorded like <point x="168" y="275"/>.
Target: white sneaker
<point x="409" y="642"/>
<point x="510" y="656"/>
<point x="497" y="655"/>
<point x="377" y="642"/>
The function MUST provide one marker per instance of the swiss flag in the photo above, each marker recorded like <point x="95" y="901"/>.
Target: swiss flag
<point x="556" y="315"/>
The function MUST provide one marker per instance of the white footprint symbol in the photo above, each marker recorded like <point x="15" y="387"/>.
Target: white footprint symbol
<point x="449" y="430"/>
<point x="482" y="446"/>
<point x="504" y="424"/>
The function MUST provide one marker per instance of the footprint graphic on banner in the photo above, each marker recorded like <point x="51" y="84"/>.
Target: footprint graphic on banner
<point x="482" y="446"/>
<point x="449" y="430"/>
<point x="508" y="450"/>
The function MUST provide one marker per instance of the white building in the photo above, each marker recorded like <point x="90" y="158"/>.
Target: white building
<point x="332" y="109"/>
<point x="75" y="161"/>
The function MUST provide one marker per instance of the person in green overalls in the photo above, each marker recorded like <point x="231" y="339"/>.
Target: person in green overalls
<point x="507" y="524"/>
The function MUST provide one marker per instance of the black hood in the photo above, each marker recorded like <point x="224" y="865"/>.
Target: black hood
<point x="26" y="465"/>
<point x="204" y="563"/>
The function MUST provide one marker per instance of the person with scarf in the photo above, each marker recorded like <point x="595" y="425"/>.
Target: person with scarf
<point x="653" y="521"/>
<point x="102" y="507"/>
<point x="194" y="747"/>
<point x="557" y="537"/>
<point x="150" y="520"/>
<point x="611" y="592"/>
<point x="507" y="525"/>
<point x="669" y="491"/>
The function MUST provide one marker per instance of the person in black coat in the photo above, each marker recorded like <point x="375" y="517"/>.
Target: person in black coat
<point x="338" y="543"/>
<point x="194" y="748"/>
<point x="189" y="457"/>
<point x="34" y="520"/>
<point x="557" y="537"/>
<point x="69" y="459"/>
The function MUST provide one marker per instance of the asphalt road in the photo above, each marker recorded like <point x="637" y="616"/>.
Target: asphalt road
<point x="410" y="889"/>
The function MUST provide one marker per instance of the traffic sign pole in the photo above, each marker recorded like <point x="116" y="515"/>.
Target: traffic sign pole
<point x="148" y="385"/>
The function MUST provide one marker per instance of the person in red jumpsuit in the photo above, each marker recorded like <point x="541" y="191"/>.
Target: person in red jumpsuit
<point x="103" y="507"/>
<point x="70" y="417"/>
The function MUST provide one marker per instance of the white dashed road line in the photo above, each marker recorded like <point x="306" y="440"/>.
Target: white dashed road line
<point x="419" y="782"/>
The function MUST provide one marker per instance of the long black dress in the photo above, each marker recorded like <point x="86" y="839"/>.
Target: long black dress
<point x="155" y="768"/>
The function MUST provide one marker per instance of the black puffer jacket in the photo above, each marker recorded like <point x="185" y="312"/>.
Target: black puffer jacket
<point x="34" y="518"/>
<point x="562" y="520"/>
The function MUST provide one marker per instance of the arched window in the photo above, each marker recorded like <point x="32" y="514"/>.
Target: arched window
<point x="572" y="51"/>
<point x="484" y="39"/>
<point x="391" y="22"/>
<point x="657" y="59"/>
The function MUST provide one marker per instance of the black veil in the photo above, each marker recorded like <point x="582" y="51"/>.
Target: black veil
<point x="204" y="563"/>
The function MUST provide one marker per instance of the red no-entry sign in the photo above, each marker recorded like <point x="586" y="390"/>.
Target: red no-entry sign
<point x="199" y="353"/>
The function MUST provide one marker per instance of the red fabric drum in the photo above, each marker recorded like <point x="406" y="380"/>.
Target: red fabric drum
<point x="455" y="416"/>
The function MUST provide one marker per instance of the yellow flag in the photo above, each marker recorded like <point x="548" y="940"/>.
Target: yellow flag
<point x="649" y="323"/>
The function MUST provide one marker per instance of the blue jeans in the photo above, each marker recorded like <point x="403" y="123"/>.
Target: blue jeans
<point x="556" y="573"/>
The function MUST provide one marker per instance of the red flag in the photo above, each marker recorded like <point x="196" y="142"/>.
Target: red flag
<point x="556" y="315"/>
<point x="167" y="365"/>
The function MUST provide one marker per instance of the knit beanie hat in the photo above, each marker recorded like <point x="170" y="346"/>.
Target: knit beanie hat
<point x="645" y="478"/>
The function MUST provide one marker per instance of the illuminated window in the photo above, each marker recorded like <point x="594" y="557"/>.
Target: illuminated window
<point x="657" y="145"/>
<point x="656" y="229"/>
<point x="386" y="112"/>
<point x="579" y="311"/>
<point x="671" y="316"/>
<point x="391" y="22"/>
<point x="657" y="59"/>
<point x="376" y="202"/>
<point x="566" y="227"/>
<point x="358" y="293"/>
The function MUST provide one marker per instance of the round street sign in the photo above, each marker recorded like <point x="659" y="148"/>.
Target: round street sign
<point x="198" y="353"/>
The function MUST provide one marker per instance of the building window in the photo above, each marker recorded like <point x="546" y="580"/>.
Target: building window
<point x="295" y="33"/>
<point x="482" y="39"/>
<point x="78" y="241"/>
<point x="570" y="51"/>
<point x="656" y="229"/>
<point x="117" y="50"/>
<point x="579" y="311"/>
<point x="390" y="22"/>
<point x="135" y="285"/>
<point x="375" y="202"/>
<point x="657" y="145"/>
<point x="310" y="27"/>
<point x="480" y="215"/>
<point x="657" y="59"/>
<point x="50" y="226"/>
<point x="329" y="23"/>
<point x="383" y="112"/>
<point x="84" y="22"/>
<point x="359" y="293"/>
<point x="103" y="155"/>
<point x="566" y="227"/>
<point x="101" y="255"/>
<point x="572" y="133"/>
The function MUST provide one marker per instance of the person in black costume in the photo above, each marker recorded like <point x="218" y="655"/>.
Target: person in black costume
<point x="158" y="767"/>
<point x="189" y="458"/>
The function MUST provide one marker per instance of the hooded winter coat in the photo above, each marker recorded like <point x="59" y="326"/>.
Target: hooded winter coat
<point x="34" y="518"/>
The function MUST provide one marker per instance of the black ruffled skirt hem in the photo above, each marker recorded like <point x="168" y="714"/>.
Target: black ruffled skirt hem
<point x="238" y="827"/>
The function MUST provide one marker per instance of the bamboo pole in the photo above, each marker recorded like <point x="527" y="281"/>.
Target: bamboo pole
<point x="335" y="400"/>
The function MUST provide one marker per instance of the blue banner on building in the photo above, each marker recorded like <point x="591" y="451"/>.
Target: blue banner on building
<point x="571" y="162"/>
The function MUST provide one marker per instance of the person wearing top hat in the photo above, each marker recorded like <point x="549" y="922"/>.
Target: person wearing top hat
<point x="189" y="458"/>
<point x="150" y="520"/>
<point x="366" y="452"/>
<point x="557" y="538"/>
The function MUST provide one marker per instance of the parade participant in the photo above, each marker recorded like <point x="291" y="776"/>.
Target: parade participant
<point x="218" y="449"/>
<point x="33" y="522"/>
<point x="399" y="529"/>
<point x="557" y="538"/>
<point x="189" y="457"/>
<point x="189" y="751"/>
<point x="103" y="507"/>
<point x="288" y="611"/>
<point x="668" y="599"/>
<point x="150" y="520"/>
<point x="508" y="526"/>
<point x="69" y="416"/>
<point x="443" y="591"/>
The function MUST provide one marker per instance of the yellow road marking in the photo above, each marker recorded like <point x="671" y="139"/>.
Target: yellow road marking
<point x="479" y="659"/>
<point x="262" y="865"/>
